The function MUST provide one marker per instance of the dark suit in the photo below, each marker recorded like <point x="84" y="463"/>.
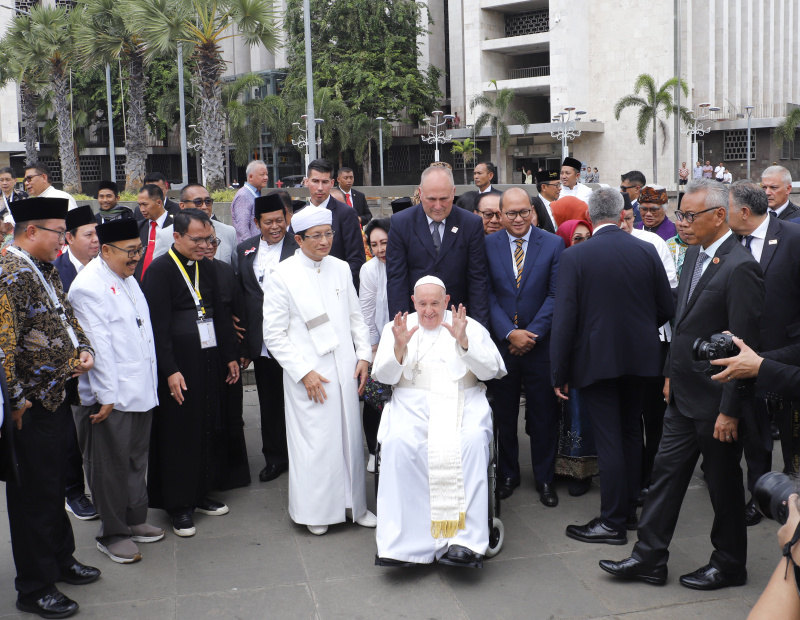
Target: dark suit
<point x="542" y="216"/>
<point x="792" y="211"/>
<point x="66" y="270"/>
<point x="9" y="468"/>
<point x="612" y="296"/>
<point x="469" y="200"/>
<point x="360" y="205"/>
<point x="728" y="296"/>
<point x="268" y="373"/>
<point x="460" y="262"/>
<point x="170" y="206"/>
<point x="144" y="235"/>
<point x="532" y="304"/>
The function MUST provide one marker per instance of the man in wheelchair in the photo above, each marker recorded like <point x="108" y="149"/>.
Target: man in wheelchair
<point x="434" y="434"/>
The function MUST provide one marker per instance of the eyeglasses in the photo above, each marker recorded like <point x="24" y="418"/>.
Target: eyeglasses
<point x="62" y="234"/>
<point x="31" y="177"/>
<point x="625" y="188"/>
<point x="689" y="217"/>
<point x="198" y="202"/>
<point x="556" y="184"/>
<point x="131" y="253"/>
<point x="649" y="209"/>
<point x="490" y="215"/>
<point x="318" y="237"/>
<point x="212" y="240"/>
<point x="216" y="241"/>
<point x="523" y="213"/>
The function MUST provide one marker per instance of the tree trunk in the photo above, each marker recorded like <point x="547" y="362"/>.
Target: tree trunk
<point x="136" y="129"/>
<point x="28" y="110"/>
<point x="211" y="124"/>
<point x="66" y="142"/>
<point x="655" y="151"/>
<point x="465" y="171"/>
<point x="367" y="163"/>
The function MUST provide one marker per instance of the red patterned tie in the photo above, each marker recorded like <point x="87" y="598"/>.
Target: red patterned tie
<point x="151" y="246"/>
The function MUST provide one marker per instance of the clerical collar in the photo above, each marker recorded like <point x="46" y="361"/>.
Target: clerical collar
<point x="310" y="262"/>
<point x="186" y="261"/>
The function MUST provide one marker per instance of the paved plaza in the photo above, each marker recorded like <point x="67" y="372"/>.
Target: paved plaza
<point x="255" y="563"/>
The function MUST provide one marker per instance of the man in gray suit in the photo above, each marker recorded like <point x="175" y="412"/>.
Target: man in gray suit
<point x="196" y="196"/>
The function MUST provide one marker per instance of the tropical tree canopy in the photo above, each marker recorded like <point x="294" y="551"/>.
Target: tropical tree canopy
<point x="786" y="130"/>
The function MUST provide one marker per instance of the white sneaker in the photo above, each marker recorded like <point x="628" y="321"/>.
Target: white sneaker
<point x="371" y="464"/>
<point x="367" y="520"/>
<point x="317" y="530"/>
<point x="146" y="533"/>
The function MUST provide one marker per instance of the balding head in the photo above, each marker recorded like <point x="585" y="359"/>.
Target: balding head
<point x="437" y="192"/>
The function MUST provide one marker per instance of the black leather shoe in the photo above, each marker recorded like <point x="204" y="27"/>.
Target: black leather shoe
<point x="751" y="514"/>
<point x="579" y="487"/>
<point x="389" y="562"/>
<point x="776" y="433"/>
<point x="506" y="486"/>
<point x="642" y="494"/>
<point x="272" y="471"/>
<point x="547" y="494"/>
<point x="596" y="532"/>
<point x="461" y="556"/>
<point x="52" y="605"/>
<point x="79" y="574"/>
<point x="710" y="578"/>
<point x="634" y="569"/>
<point x="632" y="522"/>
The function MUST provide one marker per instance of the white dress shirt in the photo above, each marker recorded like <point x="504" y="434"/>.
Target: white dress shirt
<point x="712" y="249"/>
<point x="546" y="204"/>
<point x="780" y="209"/>
<point x="513" y="244"/>
<point x="759" y="238"/>
<point x="580" y="191"/>
<point x="267" y="258"/>
<point x="75" y="262"/>
<point x="440" y="225"/>
<point x="52" y="192"/>
<point x="372" y="297"/>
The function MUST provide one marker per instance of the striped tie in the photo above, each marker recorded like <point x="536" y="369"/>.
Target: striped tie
<point x="519" y="260"/>
<point x="698" y="271"/>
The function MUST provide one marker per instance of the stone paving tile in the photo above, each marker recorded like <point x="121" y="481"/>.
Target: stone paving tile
<point x="347" y="550"/>
<point x="730" y="608"/>
<point x="286" y="602"/>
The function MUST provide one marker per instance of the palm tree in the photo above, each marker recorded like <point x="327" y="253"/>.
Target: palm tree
<point x="244" y="115"/>
<point x="329" y="108"/>
<point x="103" y="35"/>
<point x="654" y="101"/>
<point x="12" y="71"/>
<point x="199" y="26"/>
<point x="495" y="110"/>
<point x="467" y="150"/>
<point x="785" y="131"/>
<point x="42" y="42"/>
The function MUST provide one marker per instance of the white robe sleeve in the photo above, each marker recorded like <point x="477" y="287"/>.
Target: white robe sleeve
<point x="386" y="369"/>
<point x="482" y="356"/>
<point x="358" y="327"/>
<point x="367" y="297"/>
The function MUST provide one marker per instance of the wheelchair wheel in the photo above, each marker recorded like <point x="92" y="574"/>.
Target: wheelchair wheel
<point x="494" y="493"/>
<point x="496" y="537"/>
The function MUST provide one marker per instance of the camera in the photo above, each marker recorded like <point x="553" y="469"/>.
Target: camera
<point x="771" y="495"/>
<point x="719" y="346"/>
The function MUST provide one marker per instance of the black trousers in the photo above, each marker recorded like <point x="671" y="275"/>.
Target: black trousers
<point x="541" y="417"/>
<point x="615" y="407"/>
<point x="372" y="420"/>
<point x="787" y="417"/>
<point x="684" y="440"/>
<point x="269" y="383"/>
<point x="653" y="408"/>
<point x="73" y="463"/>
<point x="757" y="444"/>
<point x="41" y="534"/>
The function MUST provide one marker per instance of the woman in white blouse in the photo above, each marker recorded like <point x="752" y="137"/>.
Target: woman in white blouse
<point x="375" y="308"/>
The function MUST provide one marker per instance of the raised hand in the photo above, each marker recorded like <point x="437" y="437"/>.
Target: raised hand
<point x="402" y="335"/>
<point x="458" y="329"/>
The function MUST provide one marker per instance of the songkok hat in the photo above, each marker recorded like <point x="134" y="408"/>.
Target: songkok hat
<point x="653" y="194"/>
<point x="81" y="216"/>
<point x="309" y="217"/>
<point x="118" y="230"/>
<point x="108" y="185"/>
<point x="573" y="163"/>
<point x="39" y="209"/>
<point x="545" y="176"/>
<point x="268" y="204"/>
<point x="400" y="203"/>
<point x="429" y="280"/>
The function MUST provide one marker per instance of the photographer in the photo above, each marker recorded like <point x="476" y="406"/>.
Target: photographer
<point x="777" y="372"/>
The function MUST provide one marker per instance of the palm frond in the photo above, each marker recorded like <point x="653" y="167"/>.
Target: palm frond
<point x="643" y="123"/>
<point x="627" y="102"/>
<point x="786" y="130"/>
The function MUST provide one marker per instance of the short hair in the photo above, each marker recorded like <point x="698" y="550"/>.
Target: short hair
<point x="786" y="176"/>
<point x="484" y="198"/>
<point x="9" y="170"/>
<point x="605" y="205"/>
<point x="636" y="177"/>
<point x="40" y="167"/>
<point x="286" y="199"/>
<point x="182" y="219"/>
<point x="154" y="177"/>
<point x="251" y="167"/>
<point x="717" y="193"/>
<point x="188" y="187"/>
<point x="437" y="170"/>
<point x="747" y="193"/>
<point x="344" y="169"/>
<point x="153" y="191"/>
<point x="320" y="165"/>
<point x="21" y="227"/>
<point x="490" y="167"/>
<point x="384" y="224"/>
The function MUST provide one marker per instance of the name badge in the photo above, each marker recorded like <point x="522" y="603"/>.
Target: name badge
<point x="208" y="337"/>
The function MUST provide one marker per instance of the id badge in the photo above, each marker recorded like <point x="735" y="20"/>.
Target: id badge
<point x="208" y="337"/>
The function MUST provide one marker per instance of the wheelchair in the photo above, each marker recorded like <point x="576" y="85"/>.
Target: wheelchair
<point x="496" y="529"/>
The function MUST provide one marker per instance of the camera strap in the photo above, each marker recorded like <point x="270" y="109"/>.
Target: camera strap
<point x="787" y="553"/>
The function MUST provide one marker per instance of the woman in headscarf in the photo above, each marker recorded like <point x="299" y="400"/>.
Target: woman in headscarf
<point x="569" y="208"/>
<point x="574" y="231"/>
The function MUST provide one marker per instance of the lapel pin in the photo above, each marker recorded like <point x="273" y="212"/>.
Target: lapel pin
<point x="454" y="229"/>
<point x="773" y="242"/>
<point x="716" y="260"/>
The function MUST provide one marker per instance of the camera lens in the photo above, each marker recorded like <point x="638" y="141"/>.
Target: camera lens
<point x="700" y="350"/>
<point x="771" y="495"/>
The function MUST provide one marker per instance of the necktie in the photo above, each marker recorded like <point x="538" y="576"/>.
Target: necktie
<point x="698" y="271"/>
<point x="347" y="198"/>
<point x="773" y="213"/>
<point x="519" y="261"/>
<point x="748" y="240"/>
<point x="151" y="246"/>
<point x="437" y="238"/>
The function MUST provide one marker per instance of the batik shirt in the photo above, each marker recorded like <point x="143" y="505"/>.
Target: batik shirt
<point x="39" y="356"/>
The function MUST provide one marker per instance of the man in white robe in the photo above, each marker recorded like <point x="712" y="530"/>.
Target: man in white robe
<point x="314" y="328"/>
<point x="434" y="434"/>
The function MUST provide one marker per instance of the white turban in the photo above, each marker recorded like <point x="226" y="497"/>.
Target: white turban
<point x="310" y="216"/>
<point x="426" y="280"/>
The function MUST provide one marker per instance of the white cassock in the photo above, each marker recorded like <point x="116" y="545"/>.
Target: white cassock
<point x="405" y="519"/>
<point x="326" y="455"/>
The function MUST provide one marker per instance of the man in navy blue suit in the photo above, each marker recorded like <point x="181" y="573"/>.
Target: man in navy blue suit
<point x="523" y="267"/>
<point x="83" y="245"/>
<point x="434" y="239"/>
<point x="610" y="287"/>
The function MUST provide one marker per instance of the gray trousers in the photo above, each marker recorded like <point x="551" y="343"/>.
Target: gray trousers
<point x="115" y="459"/>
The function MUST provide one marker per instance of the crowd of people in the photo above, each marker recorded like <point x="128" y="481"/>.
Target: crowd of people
<point x="125" y="334"/>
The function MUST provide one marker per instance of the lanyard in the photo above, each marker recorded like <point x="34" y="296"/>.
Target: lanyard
<point x="125" y="288"/>
<point x="194" y="290"/>
<point x="51" y="293"/>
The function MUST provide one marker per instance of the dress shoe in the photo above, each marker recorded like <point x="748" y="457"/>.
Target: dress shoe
<point x="506" y="486"/>
<point x="547" y="494"/>
<point x="710" y="578"/>
<point x="751" y="514"/>
<point x="317" y="530"/>
<point x="596" y="532"/>
<point x="211" y="507"/>
<point x="392" y="563"/>
<point x="632" y="522"/>
<point x="776" y="433"/>
<point x="123" y="551"/>
<point x="579" y="487"/>
<point x="642" y="494"/>
<point x="146" y="533"/>
<point x="81" y="508"/>
<point x="458" y="555"/>
<point x="183" y="525"/>
<point x="78" y="574"/>
<point x="368" y="519"/>
<point x="634" y="569"/>
<point x="52" y="605"/>
<point x="272" y="471"/>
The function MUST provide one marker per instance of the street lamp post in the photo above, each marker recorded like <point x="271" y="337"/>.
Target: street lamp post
<point x="306" y="138"/>
<point x="567" y="129"/>
<point x="380" y="120"/>
<point x="749" y="109"/>
<point x="310" y="135"/>
<point x="698" y="129"/>
<point x="435" y="135"/>
<point x="182" y="109"/>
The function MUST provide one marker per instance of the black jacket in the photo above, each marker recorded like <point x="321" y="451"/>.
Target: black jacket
<point x="468" y="200"/>
<point x="360" y="205"/>
<point x="545" y="223"/>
